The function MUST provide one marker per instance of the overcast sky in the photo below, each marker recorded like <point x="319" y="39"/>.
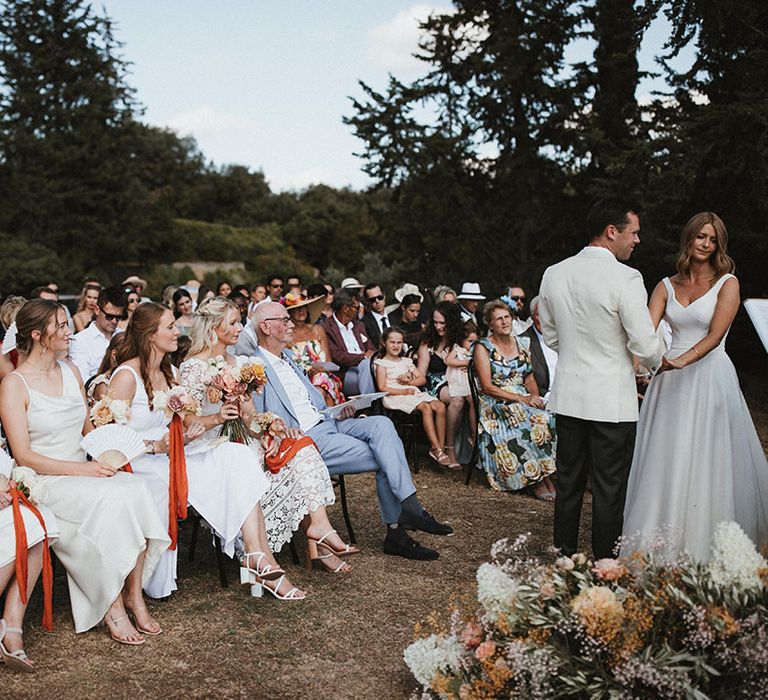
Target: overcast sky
<point x="265" y="84"/>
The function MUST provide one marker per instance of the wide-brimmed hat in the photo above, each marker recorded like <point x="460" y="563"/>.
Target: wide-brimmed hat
<point x="314" y="306"/>
<point x="471" y="290"/>
<point x="407" y="289"/>
<point x="351" y="283"/>
<point x="136" y="281"/>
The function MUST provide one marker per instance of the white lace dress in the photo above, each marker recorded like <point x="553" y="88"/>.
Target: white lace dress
<point x="104" y="523"/>
<point x="225" y="483"/>
<point x="300" y="487"/>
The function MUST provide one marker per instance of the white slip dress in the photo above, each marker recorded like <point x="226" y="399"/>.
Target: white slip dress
<point x="698" y="459"/>
<point x="104" y="523"/>
<point x="32" y="525"/>
<point x="300" y="487"/>
<point x="225" y="482"/>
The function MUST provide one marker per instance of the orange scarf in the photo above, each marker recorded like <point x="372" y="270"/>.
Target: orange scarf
<point x="22" y="550"/>
<point x="178" y="487"/>
<point x="285" y="453"/>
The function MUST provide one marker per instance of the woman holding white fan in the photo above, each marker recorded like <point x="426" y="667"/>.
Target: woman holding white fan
<point x="111" y="537"/>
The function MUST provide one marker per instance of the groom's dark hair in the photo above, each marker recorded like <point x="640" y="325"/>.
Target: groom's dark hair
<point x="605" y="212"/>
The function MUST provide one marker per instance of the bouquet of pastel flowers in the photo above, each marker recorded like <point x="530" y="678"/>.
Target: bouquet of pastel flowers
<point x="233" y="384"/>
<point x="650" y="625"/>
<point x="177" y="400"/>
<point x="108" y="410"/>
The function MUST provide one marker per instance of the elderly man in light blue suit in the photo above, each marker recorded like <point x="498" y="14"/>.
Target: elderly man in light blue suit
<point x="348" y="446"/>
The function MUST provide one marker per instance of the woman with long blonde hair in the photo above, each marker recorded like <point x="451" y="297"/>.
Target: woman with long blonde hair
<point x="300" y="491"/>
<point x="225" y="481"/>
<point x="698" y="459"/>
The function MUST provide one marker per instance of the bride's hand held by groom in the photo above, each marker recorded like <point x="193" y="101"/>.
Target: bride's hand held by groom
<point x="668" y="364"/>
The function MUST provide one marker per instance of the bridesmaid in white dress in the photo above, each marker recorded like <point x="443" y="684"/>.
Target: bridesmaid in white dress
<point x="698" y="459"/>
<point x="11" y="647"/>
<point x="225" y="482"/>
<point x="300" y="491"/>
<point x="111" y="537"/>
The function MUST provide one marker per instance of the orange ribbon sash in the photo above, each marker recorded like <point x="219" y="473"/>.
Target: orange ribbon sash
<point x="286" y="452"/>
<point x="22" y="551"/>
<point x="178" y="488"/>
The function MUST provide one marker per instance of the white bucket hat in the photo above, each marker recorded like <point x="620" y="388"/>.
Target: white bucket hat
<point x="407" y="289"/>
<point x="471" y="290"/>
<point x="351" y="283"/>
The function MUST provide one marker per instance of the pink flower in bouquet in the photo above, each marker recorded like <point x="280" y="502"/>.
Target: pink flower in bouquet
<point x="565" y="563"/>
<point x="486" y="650"/>
<point x="472" y="635"/>
<point x="213" y="394"/>
<point x="547" y="589"/>
<point x="609" y="569"/>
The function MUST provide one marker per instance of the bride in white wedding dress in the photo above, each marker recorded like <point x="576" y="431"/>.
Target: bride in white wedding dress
<point x="698" y="459"/>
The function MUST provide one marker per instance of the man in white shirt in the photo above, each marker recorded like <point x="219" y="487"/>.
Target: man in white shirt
<point x="347" y="446"/>
<point x="543" y="358"/>
<point x="87" y="347"/>
<point x="517" y="296"/>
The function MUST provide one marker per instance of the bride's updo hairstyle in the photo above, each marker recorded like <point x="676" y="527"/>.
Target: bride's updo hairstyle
<point x="35" y="315"/>
<point x="721" y="261"/>
<point x="138" y="343"/>
<point x="206" y="318"/>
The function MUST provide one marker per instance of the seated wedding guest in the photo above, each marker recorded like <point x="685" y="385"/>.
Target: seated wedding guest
<point x="132" y="300"/>
<point x="398" y="376"/>
<point x="86" y="308"/>
<point x="241" y="289"/>
<point x="225" y="481"/>
<point x="88" y="346"/>
<point x="543" y="358"/>
<point x="350" y="347"/>
<point x="375" y="319"/>
<point x="411" y="327"/>
<point x="516" y="435"/>
<point x="204" y="293"/>
<point x="515" y="299"/>
<point x="326" y="291"/>
<point x="138" y="285"/>
<point x="275" y="288"/>
<point x="182" y="310"/>
<point x="347" y="446"/>
<point x="12" y="652"/>
<point x="457" y="374"/>
<point x="310" y="346"/>
<point x="258" y="292"/>
<point x="444" y="330"/>
<point x="224" y="288"/>
<point x="444" y="293"/>
<point x="469" y="301"/>
<point x="293" y="284"/>
<point x="111" y="537"/>
<point x="395" y="311"/>
<point x="242" y="306"/>
<point x="96" y="386"/>
<point x="301" y="489"/>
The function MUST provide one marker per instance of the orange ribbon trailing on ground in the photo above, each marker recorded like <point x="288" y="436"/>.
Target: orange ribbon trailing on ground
<point x="22" y="550"/>
<point x="285" y="453"/>
<point x="178" y="488"/>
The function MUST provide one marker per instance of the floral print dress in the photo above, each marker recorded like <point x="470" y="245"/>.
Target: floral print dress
<point x="517" y="442"/>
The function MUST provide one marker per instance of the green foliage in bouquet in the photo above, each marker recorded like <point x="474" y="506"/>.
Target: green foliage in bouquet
<point x="644" y="626"/>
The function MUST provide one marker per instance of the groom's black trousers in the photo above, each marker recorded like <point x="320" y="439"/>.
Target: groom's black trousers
<point x="602" y="451"/>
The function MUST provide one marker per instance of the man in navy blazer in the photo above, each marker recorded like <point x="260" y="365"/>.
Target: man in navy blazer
<point x="348" y="446"/>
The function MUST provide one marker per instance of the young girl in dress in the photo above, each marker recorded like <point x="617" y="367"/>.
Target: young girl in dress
<point x="457" y="373"/>
<point x="401" y="378"/>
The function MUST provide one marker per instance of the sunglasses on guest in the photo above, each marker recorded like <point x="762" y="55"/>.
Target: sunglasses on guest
<point x="112" y="317"/>
<point x="517" y="298"/>
<point x="378" y="297"/>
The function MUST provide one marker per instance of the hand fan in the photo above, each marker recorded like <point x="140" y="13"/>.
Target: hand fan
<point x="114" y="444"/>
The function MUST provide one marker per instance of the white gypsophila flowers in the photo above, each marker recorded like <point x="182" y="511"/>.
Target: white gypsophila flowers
<point x="38" y="492"/>
<point x="431" y="655"/>
<point x="735" y="560"/>
<point x="495" y="590"/>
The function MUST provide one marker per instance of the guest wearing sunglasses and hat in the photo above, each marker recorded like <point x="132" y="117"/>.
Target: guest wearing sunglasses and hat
<point x="137" y="284"/>
<point x="469" y="302"/>
<point x="87" y="347"/>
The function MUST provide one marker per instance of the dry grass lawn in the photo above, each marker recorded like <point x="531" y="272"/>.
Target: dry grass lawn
<point x="344" y="641"/>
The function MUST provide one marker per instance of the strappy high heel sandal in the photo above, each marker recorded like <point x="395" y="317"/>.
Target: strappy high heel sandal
<point x="139" y="628"/>
<point x="313" y="555"/>
<point x="257" y="590"/>
<point x="345" y="551"/>
<point x="250" y="575"/>
<point x="15" y="660"/>
<point x="452" y="464"/>
<point x="440" y="457"/>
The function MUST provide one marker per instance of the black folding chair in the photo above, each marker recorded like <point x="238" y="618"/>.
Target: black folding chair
<point x="476" y="403"/>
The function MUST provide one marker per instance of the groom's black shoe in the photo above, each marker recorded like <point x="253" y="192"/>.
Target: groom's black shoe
<point x="424" y="522"/>
<point x="399" y="543"/>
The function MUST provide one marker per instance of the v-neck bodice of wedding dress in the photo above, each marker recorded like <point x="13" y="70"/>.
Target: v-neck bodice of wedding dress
<point x="300" y="487"/>
<point x="225" y="482"/>
<point x="105" y="523"/>
<point x="698" y="459"/>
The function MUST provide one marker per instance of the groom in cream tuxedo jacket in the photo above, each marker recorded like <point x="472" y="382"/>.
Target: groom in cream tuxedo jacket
<point x="594" y="313"/>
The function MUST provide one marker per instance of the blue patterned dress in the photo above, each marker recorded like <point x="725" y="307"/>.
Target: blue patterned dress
<point x="517" y="442"/>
